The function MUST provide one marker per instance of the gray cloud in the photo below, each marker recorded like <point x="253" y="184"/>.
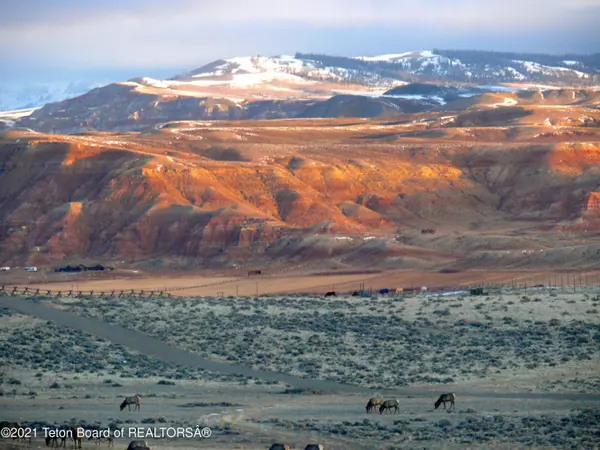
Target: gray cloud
<point x="187" y="33"/>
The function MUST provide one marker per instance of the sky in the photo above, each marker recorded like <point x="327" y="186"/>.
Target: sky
<point x="58" y="39"/>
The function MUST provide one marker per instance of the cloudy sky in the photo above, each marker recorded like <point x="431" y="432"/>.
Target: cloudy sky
<point x="126" y="38"/>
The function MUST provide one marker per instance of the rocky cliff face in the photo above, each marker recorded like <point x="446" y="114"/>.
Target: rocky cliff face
<point x="271" y="191"/>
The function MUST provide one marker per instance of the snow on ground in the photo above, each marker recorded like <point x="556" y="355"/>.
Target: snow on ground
<point x="389" y="57"/>
<point x="506" y="102"/>
<point x="365" y="93"/>
<point x="155" y="83"/>
<point x="407" y="96"/>
<point x="518" y="75"/>
<point x="20" y="95"/>
<point x="533" y="67"/>
<point x="17" y="113"/>
<point x="496" y="88"/>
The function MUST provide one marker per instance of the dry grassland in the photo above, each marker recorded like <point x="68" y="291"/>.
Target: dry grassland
<point x="524" y="365"/>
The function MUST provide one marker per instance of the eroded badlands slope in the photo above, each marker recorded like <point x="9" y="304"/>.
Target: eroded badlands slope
<point x="507" y="175"/>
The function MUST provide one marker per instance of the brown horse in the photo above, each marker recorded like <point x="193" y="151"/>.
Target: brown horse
<point x="53" y="441"/>
<point x="99" y="438"/>
<point x="138" y="445"/>
<point x="373" y="403"/>
<point x="388" y="405"/>
<point x="314" y="447"/>
<point x="279" y="447"/>
<point x="135" y="400"/>
<point x="16" y="434"/>
<point x="446" y="398"/>
<point x="77" y="434"/>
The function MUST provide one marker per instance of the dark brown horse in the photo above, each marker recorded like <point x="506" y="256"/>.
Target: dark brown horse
<point x="135" y="400"/>
<point x="373" y="403"/>
<point x="446" y="398"/>
<point x="98" y="436"/>
<point x="138" y="445"/>
<point x="388" y="405"/>
<point x="17" y="431"/>
<point x="279" y="447"/>
<point x="77" y="434"/>
<point x="52" y="441"/>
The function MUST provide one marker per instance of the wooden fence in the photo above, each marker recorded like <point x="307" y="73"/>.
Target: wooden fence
<point x="36" y="292"/>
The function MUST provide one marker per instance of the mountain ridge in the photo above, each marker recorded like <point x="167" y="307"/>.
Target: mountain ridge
<point x="383" y="71"/>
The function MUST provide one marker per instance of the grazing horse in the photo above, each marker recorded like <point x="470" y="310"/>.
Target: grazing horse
<point x="373" y="403"/>
<point x="99" y="437"/>
<point x="15" y="426"/>
<point x="388" y="405"/>
<point x="314" y="447"/>
<point x="135" y="400"/>
<point x="53" y="441"/>
<point x="76" y="434"/>
<point x="330" y="294"/>
<point x="279" y="447"/>
<point x="446" y="398"/>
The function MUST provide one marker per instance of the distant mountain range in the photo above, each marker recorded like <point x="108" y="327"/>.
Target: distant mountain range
<point x="304" y="85"/>
<point x="15" y="96"/>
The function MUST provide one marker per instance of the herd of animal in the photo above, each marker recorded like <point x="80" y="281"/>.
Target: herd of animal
<point x="62" y="433"/>
<point x="388" y="405"/>
<point x="384" y="405"/>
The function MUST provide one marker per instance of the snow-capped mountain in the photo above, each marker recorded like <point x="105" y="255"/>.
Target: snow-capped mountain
<point x="306" y="85"/>
<point x="260" y="69"/>
<point x="311" y="74"/>
<point x="477" y="66"/>
<point x="16" y="96"/>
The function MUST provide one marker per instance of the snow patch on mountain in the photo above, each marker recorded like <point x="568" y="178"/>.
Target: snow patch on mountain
<point x="533" y="67"/>
<point x="16" y="96"/>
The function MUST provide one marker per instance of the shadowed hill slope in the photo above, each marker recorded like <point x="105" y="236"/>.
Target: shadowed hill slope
<point x="359" y="193"/>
